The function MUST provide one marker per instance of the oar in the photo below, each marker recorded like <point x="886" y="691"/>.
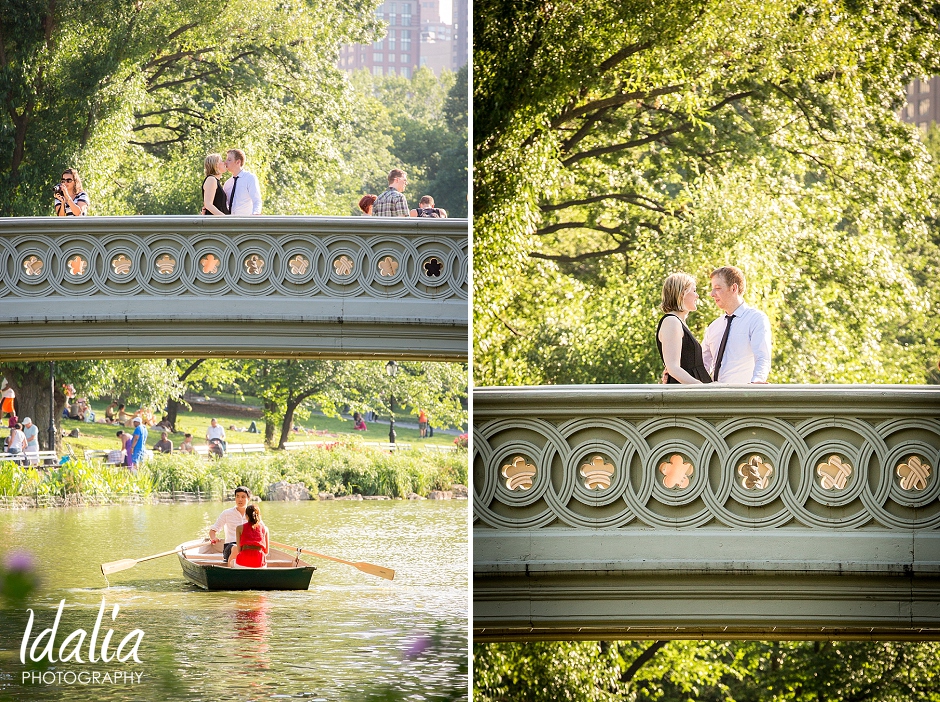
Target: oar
<point x="369" y="568"/>
<point x="126" y="563"/>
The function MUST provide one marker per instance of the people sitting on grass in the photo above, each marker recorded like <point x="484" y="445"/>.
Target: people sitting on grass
<point x="359" y="424"/>
<point x="111" y="412"/>
<point x="164" y="445"/>
<point x="229" y="521"/>
<point x="251" y="540"/>
<point x="187" y="445"/>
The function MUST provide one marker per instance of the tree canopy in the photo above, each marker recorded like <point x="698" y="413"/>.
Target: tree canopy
<point x="615" y="143"/>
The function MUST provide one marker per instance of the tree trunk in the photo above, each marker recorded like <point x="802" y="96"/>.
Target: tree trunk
<point x="31" y="386"/>
<point x="172" y="405"/>
<point x="270" y="413"/>
<point x="288" y="422"/>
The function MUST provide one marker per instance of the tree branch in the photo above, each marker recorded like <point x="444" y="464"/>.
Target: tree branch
<point x="614" y="101"/>
<point x="631" y="198"/>
<point x="624" y="146"/>
<point x="641" y="660"/>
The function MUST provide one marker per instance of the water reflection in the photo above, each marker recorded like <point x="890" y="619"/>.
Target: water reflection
<point x="351" y="636"/>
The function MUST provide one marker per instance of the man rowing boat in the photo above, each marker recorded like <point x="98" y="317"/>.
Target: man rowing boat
<point x="231" y="519"/>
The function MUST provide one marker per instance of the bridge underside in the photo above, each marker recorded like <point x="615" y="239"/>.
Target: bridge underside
<point x="250" y="328"/>
<point x="798" y="585"/>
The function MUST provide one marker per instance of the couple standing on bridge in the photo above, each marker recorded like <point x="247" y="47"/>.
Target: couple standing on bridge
<point x="239" y="195"/>
<point x="736" y="347"/>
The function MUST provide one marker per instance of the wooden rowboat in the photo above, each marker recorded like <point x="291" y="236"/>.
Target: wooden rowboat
<point x="202" y="566"/>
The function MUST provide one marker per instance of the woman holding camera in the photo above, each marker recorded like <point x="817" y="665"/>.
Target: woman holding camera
<point x="71" y="200"/>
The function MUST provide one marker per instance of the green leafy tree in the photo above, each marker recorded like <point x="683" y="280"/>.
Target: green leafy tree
<point x="615" y="143"/>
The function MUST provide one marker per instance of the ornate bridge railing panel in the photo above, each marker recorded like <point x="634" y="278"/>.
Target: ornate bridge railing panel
<point x="287" y="286"/>
<point x="666" y="511"/>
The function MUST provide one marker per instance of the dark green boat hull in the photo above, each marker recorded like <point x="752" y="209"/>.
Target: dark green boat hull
<point x="224" y="578"/>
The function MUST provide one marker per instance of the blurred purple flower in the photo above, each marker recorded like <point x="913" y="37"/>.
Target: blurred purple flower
<point x="418" y="646"/>
<point x="19" y="561"/>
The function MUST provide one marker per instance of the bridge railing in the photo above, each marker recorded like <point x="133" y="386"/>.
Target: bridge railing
<point x="722" y="511"/>
<point x="288" y="286"/>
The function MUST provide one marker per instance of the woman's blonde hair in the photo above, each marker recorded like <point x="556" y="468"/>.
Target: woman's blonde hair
<point x="214" y="165"/>
<point x="674" y="289"/>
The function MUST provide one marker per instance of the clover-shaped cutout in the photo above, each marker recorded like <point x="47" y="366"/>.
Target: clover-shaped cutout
<point x="834" y="473"/>
<point x="388" y="267"/>
<point x="33" y="265"/>
<point x="343" y="265"/>
<point x="433" y="267"/>
<point x="519" y="474"/>
<point x="913" y="474"/>
<point x="755" y="474"/>
<point x="77" y="265"/>
<point x="254" y="264"/>
<point x="597" y="474"/>
<point x="676" y="473"/>
<point x="210" y="264"/>
<point x="166" y="264"/>
<point x="121" y="265"/>
<point x="298" y="264"/>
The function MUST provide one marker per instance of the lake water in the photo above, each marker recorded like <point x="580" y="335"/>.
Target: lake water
<point x="351" y="636"/>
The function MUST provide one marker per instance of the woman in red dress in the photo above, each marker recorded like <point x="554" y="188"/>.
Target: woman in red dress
<point x="251" y="540"/>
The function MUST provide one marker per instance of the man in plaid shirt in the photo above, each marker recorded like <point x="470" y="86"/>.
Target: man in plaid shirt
<point x="392" y="203"/>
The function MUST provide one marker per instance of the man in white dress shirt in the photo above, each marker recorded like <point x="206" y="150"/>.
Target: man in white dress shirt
<point x="242" y="191"/>
<point x="736" y="348"/>
<point x="230" y="520"/>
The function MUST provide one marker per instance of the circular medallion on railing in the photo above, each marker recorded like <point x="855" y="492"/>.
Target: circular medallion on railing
<point x="165" y="266"/>
<point x="298" y="265"/>
<point x="34" y="269"/>
<point x="755" y="474"/>
<point x="210" y="265"/>
<point x="677" y="473"/>
<point x="387" y="268"/>
<point x="519" y="474"/>
<point x="254" y="265"/>
<point x="834" y="473"/>
<point x="343" y="267"/>
<point x="914" y="474"/>
<point x="121" y="266"/>
<point x="597" y="473"/>
<point x="432" y="267"/>
<point x="76" y="267"/>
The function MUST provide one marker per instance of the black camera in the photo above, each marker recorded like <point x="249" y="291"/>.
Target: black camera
<point x="57" y="188"/>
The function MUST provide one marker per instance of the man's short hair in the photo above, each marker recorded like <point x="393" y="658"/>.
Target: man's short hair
<point x="238" y="154"/>
<point x="427" y="201"/>
<point x="731" y="275"/>
<point x="242" y="488"/>
<point x="674" y="289"/>
<point x="395" y="174"/>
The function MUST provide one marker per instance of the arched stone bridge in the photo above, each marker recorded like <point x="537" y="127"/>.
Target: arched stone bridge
<point x="721" y="512"/>
<point x="351" y="287"/>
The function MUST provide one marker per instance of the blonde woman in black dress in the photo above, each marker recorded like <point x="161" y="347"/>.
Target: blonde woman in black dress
<point x="213" y="197"/>
<point x="680" y="350"/>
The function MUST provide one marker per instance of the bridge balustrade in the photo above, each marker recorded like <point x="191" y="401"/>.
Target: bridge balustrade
<point x="342" y="287"/>
<point x="722" y="512"/>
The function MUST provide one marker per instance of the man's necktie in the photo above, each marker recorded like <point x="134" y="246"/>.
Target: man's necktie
<point x="231" y="195"/>
<point x="721" y="347"/>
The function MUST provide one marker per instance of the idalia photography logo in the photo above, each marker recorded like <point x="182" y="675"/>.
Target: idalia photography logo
<point x="43" y="650"/>
<point x="39" y="652"/>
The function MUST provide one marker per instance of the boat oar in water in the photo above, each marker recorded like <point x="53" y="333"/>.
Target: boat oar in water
<point x="369" y="568"/>
<point x="126" y="563"/>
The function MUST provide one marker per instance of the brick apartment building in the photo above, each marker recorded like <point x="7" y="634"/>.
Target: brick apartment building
<point x="415" y="37"/>
<point x="923" y="103"/>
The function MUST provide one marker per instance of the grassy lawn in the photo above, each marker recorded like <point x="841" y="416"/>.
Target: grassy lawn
<point x="102" y="436"/>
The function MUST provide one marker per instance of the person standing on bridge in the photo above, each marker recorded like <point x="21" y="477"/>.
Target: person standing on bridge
<point x="678" y="348"/>
<point x="70" y="199"/>
<point x="241" y="190"/>
<point x="736" y="348"/>
<point x="392" y="202"/>
<point x="214" y="201"/>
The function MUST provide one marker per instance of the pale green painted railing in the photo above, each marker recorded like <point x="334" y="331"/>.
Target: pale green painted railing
<point x="357" y="287"/>
<point x="723" y="511"/>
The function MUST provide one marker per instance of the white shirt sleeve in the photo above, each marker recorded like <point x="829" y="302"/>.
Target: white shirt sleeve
<point x="761" y="347"/>
<point x="254" y="192"/>
<point x="709" y="347"/>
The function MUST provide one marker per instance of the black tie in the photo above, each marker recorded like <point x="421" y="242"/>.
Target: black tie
<point x="721" y="346"/>
<point x="231" y="195"/>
